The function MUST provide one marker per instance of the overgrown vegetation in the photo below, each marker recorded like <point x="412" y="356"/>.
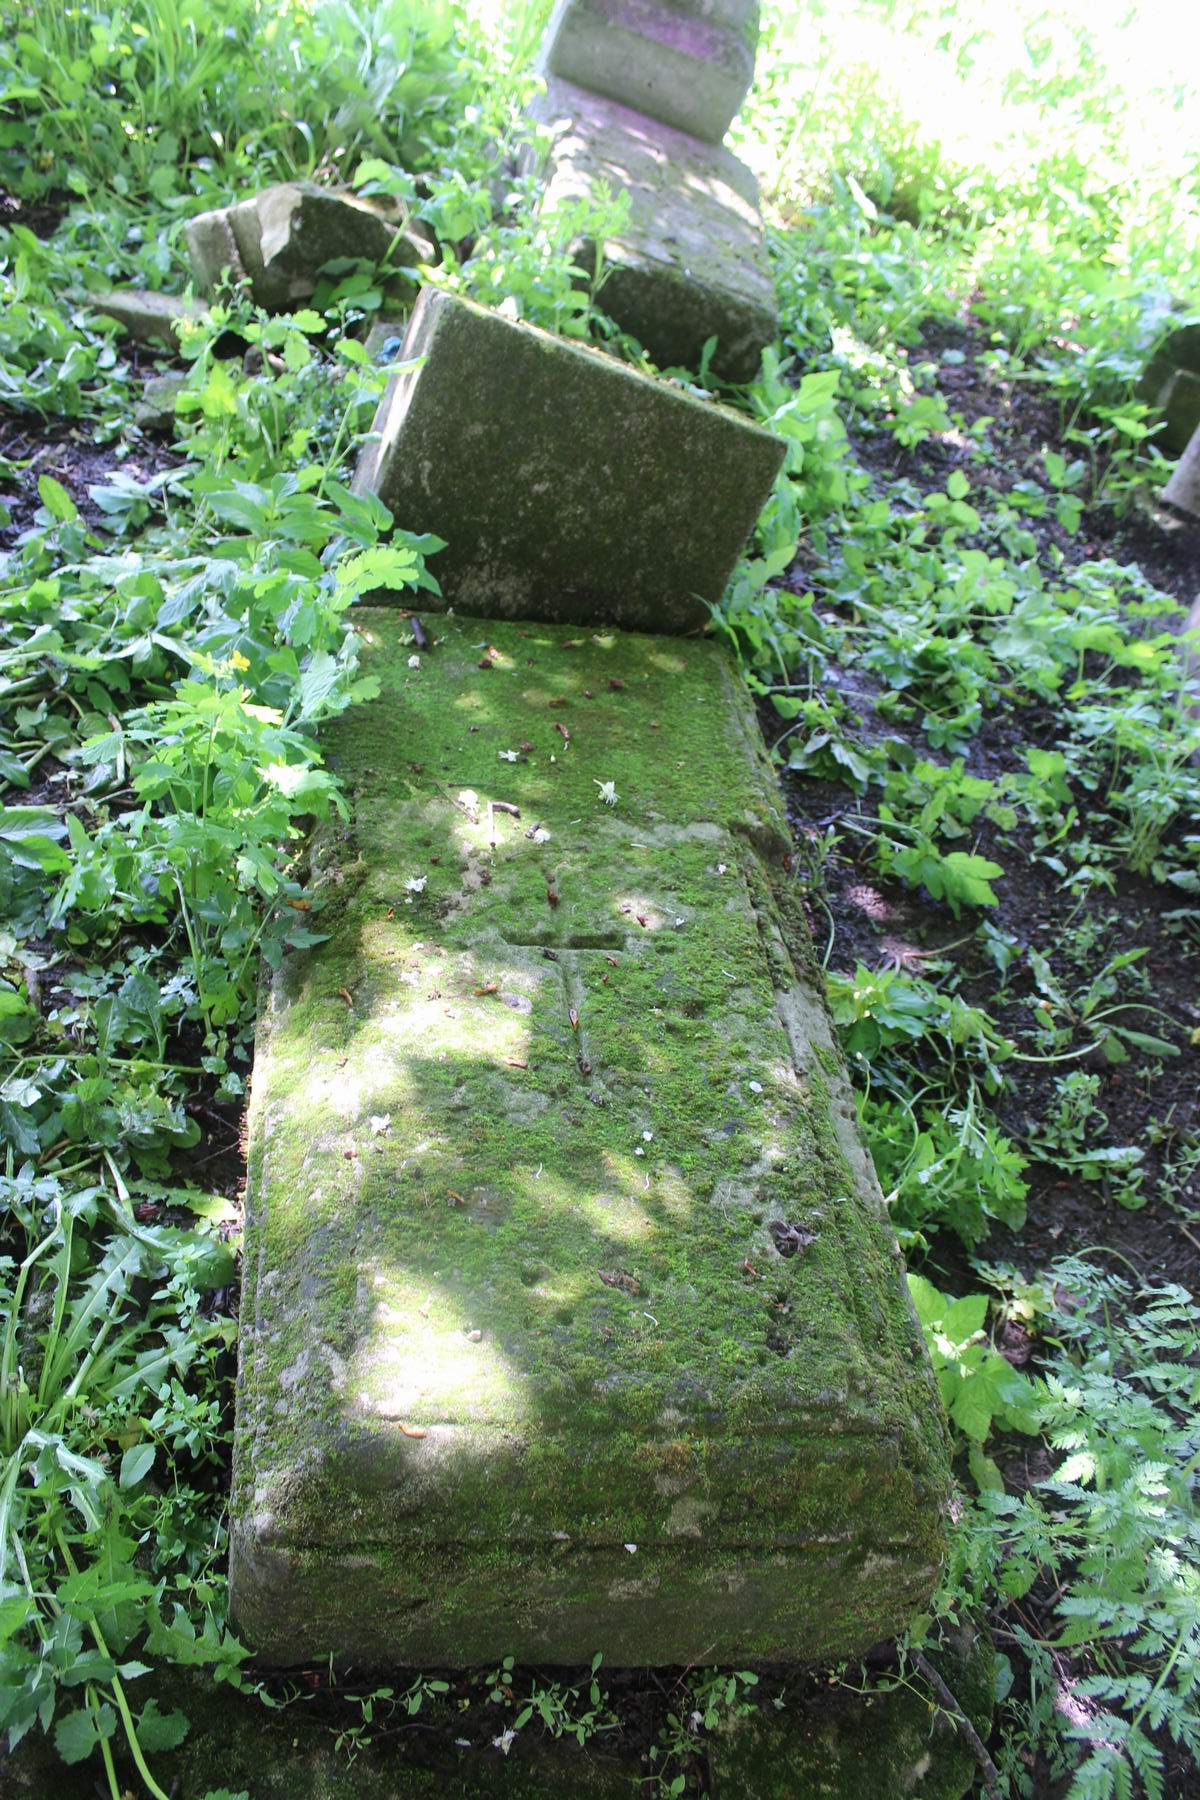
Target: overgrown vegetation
<point x="976" y="690"/>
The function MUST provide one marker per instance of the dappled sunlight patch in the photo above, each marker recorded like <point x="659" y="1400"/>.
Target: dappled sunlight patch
<point x="427" y="1359"/>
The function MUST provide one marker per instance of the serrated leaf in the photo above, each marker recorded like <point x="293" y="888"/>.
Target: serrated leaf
<point x="158" y="1731"/>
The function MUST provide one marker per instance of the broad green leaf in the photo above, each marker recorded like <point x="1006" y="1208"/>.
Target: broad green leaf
<point x="56" y="500"/>
<point x="136" y="1464"/>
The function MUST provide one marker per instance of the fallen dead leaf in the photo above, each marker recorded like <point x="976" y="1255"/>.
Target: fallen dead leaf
<point x="620" y="1278"/>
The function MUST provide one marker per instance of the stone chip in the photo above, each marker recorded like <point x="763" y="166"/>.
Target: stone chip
<point x="280" y="239"/>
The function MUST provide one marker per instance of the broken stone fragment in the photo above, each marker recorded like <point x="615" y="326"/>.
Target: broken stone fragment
<point x="566" y="485"/>
<point x="149" y="318"/>
<point x="155" y="411"/>
<point x="690" y="262"/>
<point x="687" y="63"/>
<point x="1172" y="384"/>
<point x="281" y="239"/>
<point x="505" y="1387"/>
<point x="1183" y="489"/>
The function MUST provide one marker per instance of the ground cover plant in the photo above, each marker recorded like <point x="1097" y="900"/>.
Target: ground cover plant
<point x="960" y="614"/>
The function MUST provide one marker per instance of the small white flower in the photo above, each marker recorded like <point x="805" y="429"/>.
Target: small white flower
<point x="639" y="1151"/>
<point x="416" y="884"/>
<point x="631" y="1548"/>
<point x="508" y="756"/>
<point x="721" y="868"/>
<point x="414" y="662"/>
<point x="647" y="1137"/>
<point x="381" y="1123"/>
<point x="755" y="1087"/>
<point x="608" y="792"/>
<point x="540" y="836"/>
<point x="504" y="1742"/>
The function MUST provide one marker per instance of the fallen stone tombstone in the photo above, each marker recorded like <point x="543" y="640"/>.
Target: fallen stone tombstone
<point x="149" y="318"/>
<point x="566" y="484"/>
<point x="1172" y="384"/>
<point x="279" y="240"/>
<point x="689" y="263"/>
<point x="572" y="1321"/>
<point x="688" y="63"/>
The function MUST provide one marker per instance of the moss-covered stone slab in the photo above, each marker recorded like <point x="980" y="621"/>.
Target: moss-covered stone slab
<point x="690" y="262"/>
<point x="572" y="1320"/>
<point x="279" y="240"/>
<point x="688" y="63"/>
<point x="566" y="485"/>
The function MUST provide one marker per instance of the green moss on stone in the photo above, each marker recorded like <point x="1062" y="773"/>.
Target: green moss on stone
<point x="523" y="1190"/>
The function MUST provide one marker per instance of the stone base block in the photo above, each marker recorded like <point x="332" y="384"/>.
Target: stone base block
<point x="825" y="1743"/>
<point x="572" y="1321"/>
<point x="691" y="263"/>
<point x="279" y="240"/>
<point x="149" y="318"/>
<point x="688" y="63"/>
<point x="565" y="484"/>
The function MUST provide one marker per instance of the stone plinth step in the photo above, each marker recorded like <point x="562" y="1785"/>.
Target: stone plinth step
<point x="572" y="1320"/>
<point x="280" y="239"/>
<point x="688" y="63"/>
<point x="566" y="484"/>
<point x="690" y="263"/>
